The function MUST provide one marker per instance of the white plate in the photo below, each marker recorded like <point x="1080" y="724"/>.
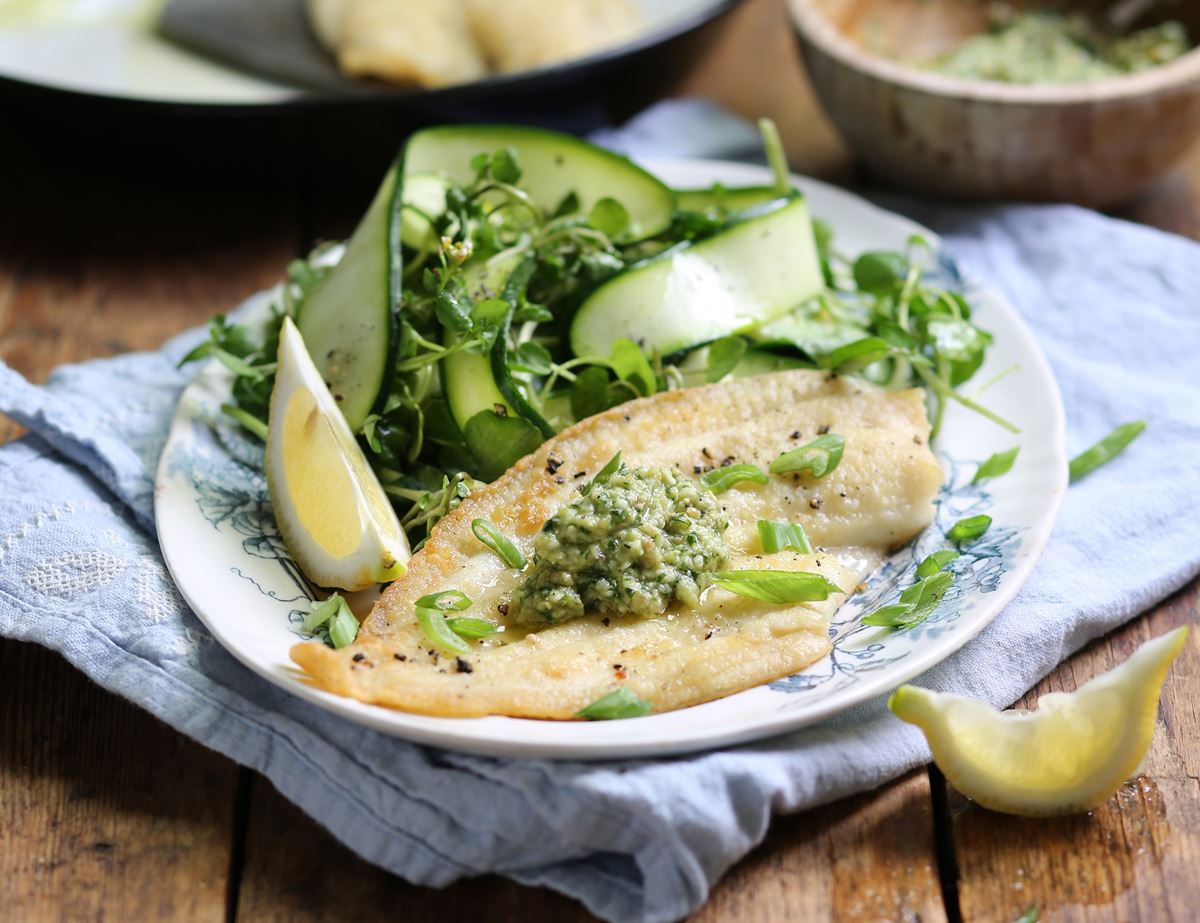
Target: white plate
<point x="222" y="547"/>
<point x="109" y="48"/>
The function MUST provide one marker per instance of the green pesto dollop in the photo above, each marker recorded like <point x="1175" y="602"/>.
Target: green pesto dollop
<point x="630" y="546"/>
<point x="1047" y="47"/>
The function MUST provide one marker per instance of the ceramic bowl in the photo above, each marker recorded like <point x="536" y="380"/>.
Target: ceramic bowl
<point x="1098" y="144"/>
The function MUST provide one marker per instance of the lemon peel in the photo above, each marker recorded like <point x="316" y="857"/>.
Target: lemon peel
<point x="1067" y="756"/>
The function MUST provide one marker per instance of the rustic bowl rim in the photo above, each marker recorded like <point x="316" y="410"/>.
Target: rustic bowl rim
<point x="816" y="28"/>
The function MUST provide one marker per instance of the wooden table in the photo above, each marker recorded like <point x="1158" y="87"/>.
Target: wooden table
<point x="107" y="814"/>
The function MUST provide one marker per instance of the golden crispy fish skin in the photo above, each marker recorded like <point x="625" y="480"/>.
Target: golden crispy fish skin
<point x="879" y="496"/>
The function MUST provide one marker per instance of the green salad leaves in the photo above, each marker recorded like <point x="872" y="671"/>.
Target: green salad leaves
<point x="490" y="289"/>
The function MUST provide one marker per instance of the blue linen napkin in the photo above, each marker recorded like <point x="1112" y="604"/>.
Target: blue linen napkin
<point x="80" y="572"/>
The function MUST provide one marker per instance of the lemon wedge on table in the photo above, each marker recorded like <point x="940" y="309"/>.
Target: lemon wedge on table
<point x="334" y="517"/>
<point x="1069" y="755"/>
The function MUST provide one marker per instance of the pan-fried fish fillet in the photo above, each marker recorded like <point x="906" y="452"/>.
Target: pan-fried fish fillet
<point x="439" y="42"/>
<point x="517" y="35"/>
<point x="880" y="495"/>
<point x="426" y="42"/>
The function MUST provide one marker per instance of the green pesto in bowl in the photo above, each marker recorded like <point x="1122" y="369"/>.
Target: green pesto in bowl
<point x="1053" y="48"/>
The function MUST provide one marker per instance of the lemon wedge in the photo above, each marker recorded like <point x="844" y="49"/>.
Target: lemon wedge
<point x="1069" y="755"/>
<point x="334" y="517"/>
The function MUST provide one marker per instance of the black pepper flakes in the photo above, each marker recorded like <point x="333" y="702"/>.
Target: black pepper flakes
<point x="553" y="463"/>
<point x="815" y="503"/>
<point x="917" y="440"/>
<point x="579" y="474"/>
<point x="463" y="666"/>
<point x="696" y="469"/>
<point x="626" y="418"/>
<point x="400" y="657"/>
<point x="728" y="460"/>
<point x="605" y="621"/>
<point x="617" y="666"/>
<point x="822" y="429"/>
<point x="796" y="434"/>
<point x="706" y="453"/>
<point x="708" y="634"/>
<point x="560" y="480"/>
<point x="359" y="657"/>
<point x="502" y="608"/>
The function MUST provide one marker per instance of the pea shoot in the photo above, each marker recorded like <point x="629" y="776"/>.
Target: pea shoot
<point x="723" y="357"/>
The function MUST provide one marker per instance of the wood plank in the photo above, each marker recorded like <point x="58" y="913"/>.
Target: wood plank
<point x="870" y="857"/>
<point x="1135" y="857"/>
<point x="296" y="872"/>
<point x="105" y="813"/>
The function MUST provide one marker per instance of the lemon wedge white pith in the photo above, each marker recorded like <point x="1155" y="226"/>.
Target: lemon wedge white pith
<point x="334" y="517"/>
<point x="1069" y="755"/>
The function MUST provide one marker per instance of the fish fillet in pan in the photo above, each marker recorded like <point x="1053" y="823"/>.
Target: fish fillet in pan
<point x="878" y="497"/>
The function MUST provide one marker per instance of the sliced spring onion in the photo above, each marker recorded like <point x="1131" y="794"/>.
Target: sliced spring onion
<point x="998" y="464"/>
<point x="925" y="594"/>
<point x="343" y="627"/>
<point x="935" y="562"/>
<point x="446" y="599"/>
<point x="720" y="480"/>
<point x="471" y="629"/>
<point x="620" y="703"/>
<point x="1106" y="449"/>
<point x="487" y="533"/>
<point x="916" y="603"/>
<point x="818" y="457"/>
<point x="612" y="467"/>
<point x="897" y="615"/>
<point x="776" y="536"/>
<point x="438" y="633"/>
<point x="967" y="530"/>
<point x="775" y="586"/>
<point x="321" y="613"/>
